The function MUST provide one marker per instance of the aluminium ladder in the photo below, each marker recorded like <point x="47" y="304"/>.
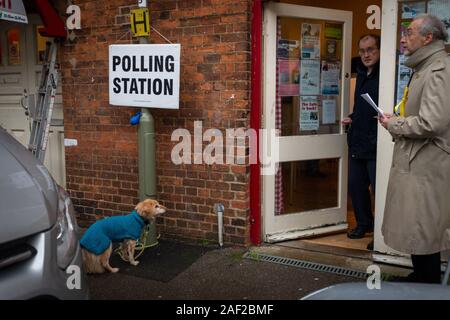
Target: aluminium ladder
<point x="42" y="115"/>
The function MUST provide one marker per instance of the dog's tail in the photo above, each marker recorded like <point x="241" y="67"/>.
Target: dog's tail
<point x="91" y="262"/>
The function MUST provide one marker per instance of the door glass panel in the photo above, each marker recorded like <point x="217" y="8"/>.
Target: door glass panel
<point x="309" y="63"/>
<point x="13" y="36"/>
<point x="1" y="49"/>
<point x="308" y="185"/>
<point x="40" y="45"/>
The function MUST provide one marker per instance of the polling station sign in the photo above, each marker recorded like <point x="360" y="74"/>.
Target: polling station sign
<point x="144" y="75"/>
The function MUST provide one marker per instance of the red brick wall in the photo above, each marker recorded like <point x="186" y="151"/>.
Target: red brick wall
<point x="102" y="171"/>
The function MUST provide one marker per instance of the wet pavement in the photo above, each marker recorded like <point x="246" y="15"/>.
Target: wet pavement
<point x="214" y="274"/>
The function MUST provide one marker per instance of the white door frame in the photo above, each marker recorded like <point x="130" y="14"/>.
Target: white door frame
<point x="277" y="228"/>
<point x="13" y="116"/>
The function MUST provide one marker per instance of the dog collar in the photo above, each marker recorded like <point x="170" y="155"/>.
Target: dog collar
<point x="140" y="218"/>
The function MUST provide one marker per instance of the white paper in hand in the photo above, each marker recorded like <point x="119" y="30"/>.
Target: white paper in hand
<point x="369" y="100"/>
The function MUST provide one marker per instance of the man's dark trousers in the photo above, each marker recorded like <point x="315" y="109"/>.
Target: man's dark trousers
<point x="361" y="176"/>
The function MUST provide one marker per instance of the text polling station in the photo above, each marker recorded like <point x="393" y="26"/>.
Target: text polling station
<point x="144" y="75"/>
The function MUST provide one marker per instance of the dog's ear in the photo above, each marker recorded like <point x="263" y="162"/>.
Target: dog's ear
<point x="145" y="206"/>
<point x="140" y="208"/>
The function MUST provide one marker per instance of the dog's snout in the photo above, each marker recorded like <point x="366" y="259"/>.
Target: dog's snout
<point x="161" y="209"/>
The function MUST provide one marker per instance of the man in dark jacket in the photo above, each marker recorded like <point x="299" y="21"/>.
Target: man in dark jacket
<point x="362" y="136"/>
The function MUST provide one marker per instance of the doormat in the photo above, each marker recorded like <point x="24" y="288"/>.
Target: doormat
<point x="162" y="262"/>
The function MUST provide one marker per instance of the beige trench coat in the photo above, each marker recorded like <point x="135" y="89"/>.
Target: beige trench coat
<point x="417" y="212"/>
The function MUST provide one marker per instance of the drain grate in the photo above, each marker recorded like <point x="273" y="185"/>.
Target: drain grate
<point x="306" y="265"/>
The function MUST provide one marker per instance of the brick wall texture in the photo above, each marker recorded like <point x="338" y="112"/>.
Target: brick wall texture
<point x="102" y="171"/>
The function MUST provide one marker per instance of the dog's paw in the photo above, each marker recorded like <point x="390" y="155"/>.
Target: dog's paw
<point x="115" y="270"/>
<point x="134" y="263"/>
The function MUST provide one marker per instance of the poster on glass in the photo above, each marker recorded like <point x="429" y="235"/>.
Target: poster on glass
<point x="403" y="75"/>
<point x="412" y="9"/>
<point x="328" y="111"/>
<point x="288" y="49"/>
<point x="441" y="9"/>
<point x="309" y="113"/>
<point x="310" y="77"/>
<point x="289" y="77"/>
<point x="311" y="41"/>
<point x="330" y="78"/>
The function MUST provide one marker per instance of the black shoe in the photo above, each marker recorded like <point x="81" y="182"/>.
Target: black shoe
<point x="358" y="233"/>
<point x="370" y="246"/>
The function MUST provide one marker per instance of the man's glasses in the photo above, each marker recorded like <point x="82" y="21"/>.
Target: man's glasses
<point x="369" y="50"/>
<point x="407" y="33"/>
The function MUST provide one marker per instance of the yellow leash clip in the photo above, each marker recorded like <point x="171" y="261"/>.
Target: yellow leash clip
<point x="399" y="109"/>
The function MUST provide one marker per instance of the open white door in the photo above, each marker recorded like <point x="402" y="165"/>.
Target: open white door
<point x="307" y="67"/>
<point x="21" y="49"/>
<point x="390" y="57"/>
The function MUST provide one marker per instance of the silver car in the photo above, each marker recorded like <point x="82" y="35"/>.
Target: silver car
<point x="40" y="255"/>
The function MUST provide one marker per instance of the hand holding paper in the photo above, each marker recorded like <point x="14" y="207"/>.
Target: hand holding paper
<point x="369" y="100"/>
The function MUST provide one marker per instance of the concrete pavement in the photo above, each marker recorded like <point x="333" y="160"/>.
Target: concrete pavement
<point x="220" y="274"/>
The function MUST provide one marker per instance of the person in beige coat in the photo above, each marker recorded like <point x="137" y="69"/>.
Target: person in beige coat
<point x="417" y="212"/>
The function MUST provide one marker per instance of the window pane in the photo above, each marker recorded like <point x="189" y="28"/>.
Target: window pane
<point x="309" y="63"/>
<point x="40" y="46"/>
<point x="309" y="185"/>
<point x="1" y="49"/>
<point x="14" y="47"/>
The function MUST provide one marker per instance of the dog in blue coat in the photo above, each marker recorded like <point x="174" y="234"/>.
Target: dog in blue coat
<point x="96" y="243"/>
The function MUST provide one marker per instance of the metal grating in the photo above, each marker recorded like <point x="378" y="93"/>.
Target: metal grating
<point x="306" y="265"/>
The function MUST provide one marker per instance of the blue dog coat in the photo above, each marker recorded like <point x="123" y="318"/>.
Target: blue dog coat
<point x="98" y="237"/>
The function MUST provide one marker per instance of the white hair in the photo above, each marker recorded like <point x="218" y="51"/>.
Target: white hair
<point x="432" y="24"/>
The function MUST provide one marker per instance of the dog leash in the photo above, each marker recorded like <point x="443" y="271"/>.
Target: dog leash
<point x="140" y="246"/>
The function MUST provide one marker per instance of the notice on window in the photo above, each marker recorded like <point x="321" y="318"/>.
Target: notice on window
<point x="288" y="49"/>
<point x="311" y="41"/>
<point x="412" y="9"/>
<point x="333" y="31"/>
<point x="331" y="46"/>
<point x="289" y="77"/>
<point x="404" y="73"/>
<point x="328" y="111"/>
<point x="310" y="77"/>
<point x="441" y="9"/>
<point x="330" y="78"/>
<point x="309" y="113"/>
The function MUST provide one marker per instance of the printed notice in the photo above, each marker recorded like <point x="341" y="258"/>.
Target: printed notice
<point x="311" y="41"/>
<point x="329" y="111"/>
<point x="441" y="9"/>
<point x="288" y="49"/>
<point x="330" y="78"/>
<point x="309" y="113"/>
<point x="289" y="77"/>
<point x="310" y="77"/>
<point x="412" y="9"/>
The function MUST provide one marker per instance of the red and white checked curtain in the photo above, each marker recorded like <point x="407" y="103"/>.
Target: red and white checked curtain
<point x="279" y="201"/>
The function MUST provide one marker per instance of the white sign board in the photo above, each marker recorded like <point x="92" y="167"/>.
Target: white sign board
<point x="144" y="75"/>
<point x="13" y="10"/>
